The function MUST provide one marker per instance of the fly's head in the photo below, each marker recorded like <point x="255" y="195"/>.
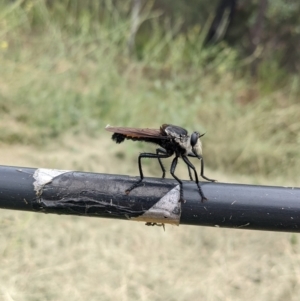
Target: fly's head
<point x="196" y="144"/>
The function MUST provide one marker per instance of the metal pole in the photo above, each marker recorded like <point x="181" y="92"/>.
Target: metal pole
<point x="155" y="201"/>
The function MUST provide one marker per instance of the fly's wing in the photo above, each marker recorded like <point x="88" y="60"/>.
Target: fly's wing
<point x="174" y="130"/>
<point x="134" y="132"/>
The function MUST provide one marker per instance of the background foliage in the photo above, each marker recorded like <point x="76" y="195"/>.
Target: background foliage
<point x="65" y="66"/>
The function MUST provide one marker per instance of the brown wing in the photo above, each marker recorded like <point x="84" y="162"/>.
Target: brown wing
<point x="138" y="133"/>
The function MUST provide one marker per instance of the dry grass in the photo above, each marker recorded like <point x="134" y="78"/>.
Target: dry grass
<point x="48" y="257"/>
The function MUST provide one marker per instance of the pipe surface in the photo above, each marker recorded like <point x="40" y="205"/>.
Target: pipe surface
<point x="155" y="201"/>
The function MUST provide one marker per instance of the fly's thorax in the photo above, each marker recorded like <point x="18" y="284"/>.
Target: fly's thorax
<point x="184" y="143"/>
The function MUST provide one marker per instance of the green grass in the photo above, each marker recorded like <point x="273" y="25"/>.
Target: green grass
<point x="61" y="74"/>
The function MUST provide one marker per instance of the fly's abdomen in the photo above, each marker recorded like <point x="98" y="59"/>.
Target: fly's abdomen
<point x="118" y="138"/>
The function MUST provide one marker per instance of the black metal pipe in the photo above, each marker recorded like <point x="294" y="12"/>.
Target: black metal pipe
<point x="155" y="201"/>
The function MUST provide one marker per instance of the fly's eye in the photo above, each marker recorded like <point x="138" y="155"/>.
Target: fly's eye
<point x="194" y="138"/>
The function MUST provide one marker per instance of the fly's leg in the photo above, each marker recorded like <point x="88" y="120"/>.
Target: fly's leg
<point x="202" y="168"/>
<point x="190" y="165"/>
<point x="202" y="172"/>
<point x="145" y="155"/>
<point x="190" y="174"/>
<point x="172" y="171"/>
<point x="164" y="152"/>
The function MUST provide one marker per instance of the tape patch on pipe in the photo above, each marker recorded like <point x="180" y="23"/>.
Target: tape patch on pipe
<point x="44" y="176"/>
<point x="166" y="211"/>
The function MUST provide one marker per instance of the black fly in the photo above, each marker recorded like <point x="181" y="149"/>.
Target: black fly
<point x="172" y="140"/>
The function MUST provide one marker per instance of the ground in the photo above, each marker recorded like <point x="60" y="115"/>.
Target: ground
<point x="49" y="257"/>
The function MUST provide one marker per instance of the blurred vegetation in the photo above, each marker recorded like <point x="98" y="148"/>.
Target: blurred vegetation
<point x="64" y="66"/>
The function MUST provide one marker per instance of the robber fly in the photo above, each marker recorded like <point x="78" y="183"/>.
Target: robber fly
<point x="172" y="140"/>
